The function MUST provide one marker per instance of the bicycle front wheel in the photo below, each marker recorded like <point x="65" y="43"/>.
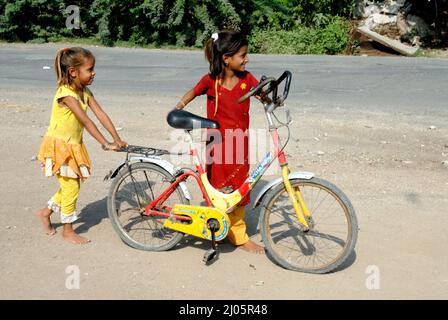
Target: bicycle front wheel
<point x="333" y="227"/>
<point x="131" y="191"/>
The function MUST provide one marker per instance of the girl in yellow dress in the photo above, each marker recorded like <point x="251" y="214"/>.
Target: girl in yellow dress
<point x="62" y="152"/>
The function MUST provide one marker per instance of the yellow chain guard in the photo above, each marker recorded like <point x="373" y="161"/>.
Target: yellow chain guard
<point x="199" y="216"/>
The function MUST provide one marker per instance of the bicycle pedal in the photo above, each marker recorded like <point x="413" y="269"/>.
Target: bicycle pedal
<point x="210" y="255"/>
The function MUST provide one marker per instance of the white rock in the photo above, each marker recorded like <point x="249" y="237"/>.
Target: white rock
<point x="118" y="128"/>
<point x="380" y="19"/>
<point x="33" y="158"/>
<point x="259" y="283"/>
<point x="432" y="127"/>
<point x="445" y="163"/>
<point x="392" y="7"/>
<point x="320" y="153"/>
<point x="402" y="25"/>
<point x="371" y="9"/>
<point x="46" y="68"/>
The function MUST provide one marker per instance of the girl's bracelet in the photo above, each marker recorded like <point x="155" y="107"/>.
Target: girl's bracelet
<point x="182" y="103"/>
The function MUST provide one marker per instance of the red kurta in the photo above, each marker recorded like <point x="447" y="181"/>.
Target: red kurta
<point x="227" y="148"/>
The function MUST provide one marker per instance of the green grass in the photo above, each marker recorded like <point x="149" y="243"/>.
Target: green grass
<point x="92" y="41"/>
<point x="421" y="53"/>
<point x="83" y="41"/>
<point x="96" y="42"/>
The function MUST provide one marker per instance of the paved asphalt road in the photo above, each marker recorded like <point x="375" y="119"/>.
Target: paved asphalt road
<point x="412" y="86"/>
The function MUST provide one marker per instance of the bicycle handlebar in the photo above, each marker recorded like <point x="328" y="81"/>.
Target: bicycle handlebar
<point x="288" y="75"/>
<point x="258" y="87"/>
<point x="273" y="87"/>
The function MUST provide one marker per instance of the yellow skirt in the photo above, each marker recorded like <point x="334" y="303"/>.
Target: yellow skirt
<point x="67" y="159"/>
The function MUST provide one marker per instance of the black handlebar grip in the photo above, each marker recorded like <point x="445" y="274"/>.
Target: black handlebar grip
<point x="263" y="77"/>
<point x="288" y="76"/>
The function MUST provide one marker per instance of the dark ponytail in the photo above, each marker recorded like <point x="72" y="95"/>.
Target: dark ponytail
<point x="227" y="43"/>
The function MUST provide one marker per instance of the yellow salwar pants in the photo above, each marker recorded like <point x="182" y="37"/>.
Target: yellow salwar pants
<point x="64" y="200"/>
<point x="237" y="234"/>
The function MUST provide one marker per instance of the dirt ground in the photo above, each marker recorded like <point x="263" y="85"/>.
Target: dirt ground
<point x="388" y="164"/>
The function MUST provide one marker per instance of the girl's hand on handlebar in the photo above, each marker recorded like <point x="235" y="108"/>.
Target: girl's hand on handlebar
<point x="121" y="143"/>
<point x="263" y="97"/>
<point x="111" y="146"/>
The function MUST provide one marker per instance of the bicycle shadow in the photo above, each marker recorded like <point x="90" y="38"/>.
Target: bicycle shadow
<point x="91" y="215"/>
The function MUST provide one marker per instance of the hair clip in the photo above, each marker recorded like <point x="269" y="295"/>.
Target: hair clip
<point x="215" y="36"/>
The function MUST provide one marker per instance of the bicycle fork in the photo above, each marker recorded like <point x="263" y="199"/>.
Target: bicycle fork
<point x="298" y="204"/>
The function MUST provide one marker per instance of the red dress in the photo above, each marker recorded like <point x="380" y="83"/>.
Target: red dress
<point x="227" y="148"/>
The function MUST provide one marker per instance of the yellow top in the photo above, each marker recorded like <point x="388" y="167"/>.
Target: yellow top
<point x="63" y="141"/>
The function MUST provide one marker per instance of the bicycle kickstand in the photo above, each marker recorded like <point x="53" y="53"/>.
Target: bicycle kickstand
<point x="212" y="253"/>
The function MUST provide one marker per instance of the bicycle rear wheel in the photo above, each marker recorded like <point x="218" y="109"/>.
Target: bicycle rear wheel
<point x="331" y="238"/>
<point x="131" y="191"/>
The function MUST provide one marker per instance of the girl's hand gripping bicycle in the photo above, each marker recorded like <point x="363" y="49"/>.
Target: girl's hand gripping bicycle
<point x="307" y="224"/>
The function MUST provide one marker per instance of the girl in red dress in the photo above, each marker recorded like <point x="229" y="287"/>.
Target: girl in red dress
<point x="227" y="147"/>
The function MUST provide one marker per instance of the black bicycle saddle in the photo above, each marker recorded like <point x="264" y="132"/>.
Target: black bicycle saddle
<point x="181" y="119"/>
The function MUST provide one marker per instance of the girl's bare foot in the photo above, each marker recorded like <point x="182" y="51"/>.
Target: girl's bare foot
<point x="68" y="234"/>
<point x="44" y="216"/>
<point x="252" y="247"/>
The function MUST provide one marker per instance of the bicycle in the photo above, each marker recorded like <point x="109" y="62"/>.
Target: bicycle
<point x="307" y="223"/>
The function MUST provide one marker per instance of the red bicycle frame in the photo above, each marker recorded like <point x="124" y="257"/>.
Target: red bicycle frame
<point x="244" y="189"/>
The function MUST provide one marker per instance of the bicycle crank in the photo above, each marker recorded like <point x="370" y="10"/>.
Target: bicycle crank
<point x="213" y="226"/>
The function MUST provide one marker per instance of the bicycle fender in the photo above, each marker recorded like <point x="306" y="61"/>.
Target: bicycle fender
<point x="159" y="162"/>
<point x="275" y="182"/>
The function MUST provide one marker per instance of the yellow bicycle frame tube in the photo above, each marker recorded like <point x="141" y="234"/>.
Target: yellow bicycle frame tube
<point x="301" y="211"/>
<point x="222" y="201"/>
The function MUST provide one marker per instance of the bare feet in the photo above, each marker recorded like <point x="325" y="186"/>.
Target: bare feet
<point x="252" y="247"/>
<point x="68" y="234"/>
<point x="44" y="216"/>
